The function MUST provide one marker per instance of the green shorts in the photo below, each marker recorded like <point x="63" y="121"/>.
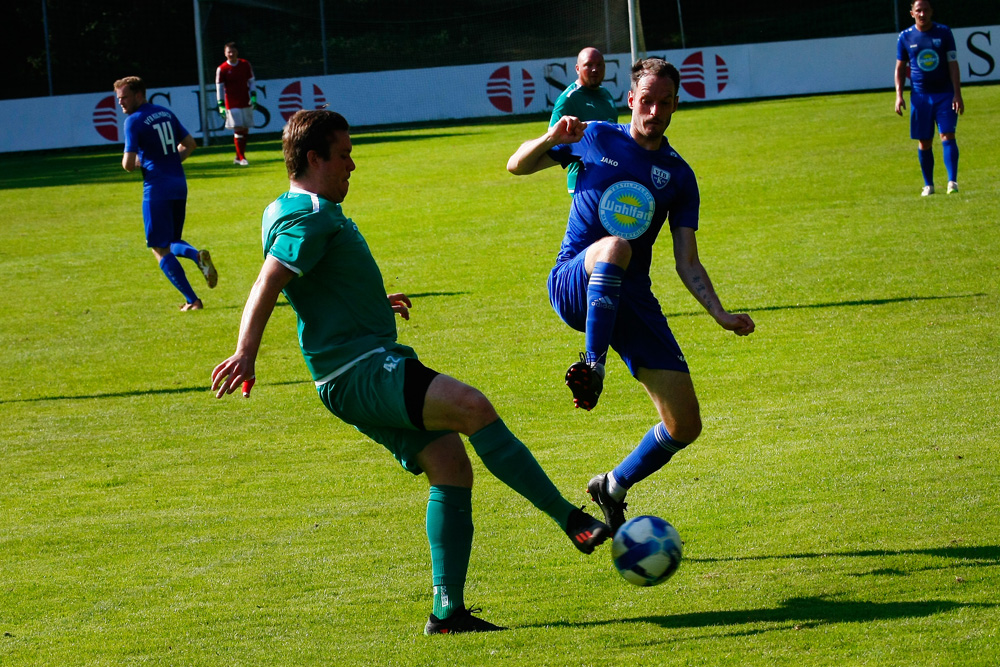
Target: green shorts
<point x="370" y="397"/>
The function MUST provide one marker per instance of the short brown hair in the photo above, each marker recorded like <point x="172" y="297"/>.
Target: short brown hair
<point x="309" y="131"/>
<point x="657" y="67"/>
<point x="133" y="83"/>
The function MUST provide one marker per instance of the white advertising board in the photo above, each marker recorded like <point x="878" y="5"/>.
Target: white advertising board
<point x="746" y="71"/>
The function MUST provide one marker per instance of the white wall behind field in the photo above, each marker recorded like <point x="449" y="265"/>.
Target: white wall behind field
<point x="745" y="71"/>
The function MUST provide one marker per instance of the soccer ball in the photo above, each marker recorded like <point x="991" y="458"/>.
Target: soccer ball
<point x="646" y="550"/>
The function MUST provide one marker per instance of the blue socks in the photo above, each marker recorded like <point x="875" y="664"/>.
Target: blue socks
<point x="926" y="165"/>
<point x="949" y="150"/>
<point x="185" y="250"/>
<point x="603" y="294"/>
<point x="175" y="274"/>
<point x="652" y="453"/>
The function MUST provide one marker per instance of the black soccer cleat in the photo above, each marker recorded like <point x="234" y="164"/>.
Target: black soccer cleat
<point x="586" y="381"/>
<point x="460" y="621"/>
<point x="585" y="531"/>
<point x="614" y="510"/>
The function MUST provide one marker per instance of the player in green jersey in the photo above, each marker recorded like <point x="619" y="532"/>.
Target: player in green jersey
<point x="347" y="331"/>
<point x="585" y="99"/>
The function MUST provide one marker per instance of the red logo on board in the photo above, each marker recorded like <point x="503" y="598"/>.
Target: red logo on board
<point x="506" y="90"/>
<point x="293" y="99"/>
<point x="106" y="118"/>
<point x="697" y="79"/>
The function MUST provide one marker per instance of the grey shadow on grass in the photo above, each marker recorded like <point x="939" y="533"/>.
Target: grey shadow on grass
<point x="138" y="392"/>
<point x="804" y="612"/>
<point x="986" y="555"/>
<point x="835" y="304"/>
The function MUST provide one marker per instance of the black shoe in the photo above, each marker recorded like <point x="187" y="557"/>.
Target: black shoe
<point x="586" y="382"/>
<point x="614" y="510"/>
<point x="460" y="621"/>
<point x="586" y="531"/>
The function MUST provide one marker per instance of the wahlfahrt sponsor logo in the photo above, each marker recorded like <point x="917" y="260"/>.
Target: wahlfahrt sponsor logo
<point x="626" y="209"/>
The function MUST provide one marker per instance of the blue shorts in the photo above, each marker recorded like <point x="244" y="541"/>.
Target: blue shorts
<point x="641" y="336"/>
<point x="926" y="109"/>
<point x="164" y="220"/>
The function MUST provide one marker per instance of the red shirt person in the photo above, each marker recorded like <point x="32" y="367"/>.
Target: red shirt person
<point x="236" y="93"/>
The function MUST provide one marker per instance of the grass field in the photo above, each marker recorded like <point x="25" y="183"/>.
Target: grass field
<point x="840" y="507"/>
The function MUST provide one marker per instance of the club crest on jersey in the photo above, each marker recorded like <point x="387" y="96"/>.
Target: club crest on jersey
<point x="626" y="209"/>
<point x="660" y="177"/>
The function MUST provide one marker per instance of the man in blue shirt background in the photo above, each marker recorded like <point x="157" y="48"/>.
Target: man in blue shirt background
<point x="151" y="143"/>
<point x="926" y="52"/>
<point x="632" y="182"/>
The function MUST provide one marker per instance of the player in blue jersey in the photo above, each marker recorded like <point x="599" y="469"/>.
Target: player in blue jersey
<point x="156" y="142"/>
<point x="347" y="331"/>
<point x="632" y="182"/>
<point x="926" y="52"/>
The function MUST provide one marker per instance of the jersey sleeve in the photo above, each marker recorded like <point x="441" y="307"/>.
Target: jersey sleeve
<point x="684" y="209"/>
<point x="558" y="110"/>
<point x="951" y="51"/>
<point x="302" y="242"/>
<point x="901" y="53"/>
<point x="131" y="135"/>
<point x="567" y="154"/>
<point x="179" y="130"/>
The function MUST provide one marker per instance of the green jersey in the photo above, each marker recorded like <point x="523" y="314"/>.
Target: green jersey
<point x="585" y="104"/>
<point x="337" y="294"/>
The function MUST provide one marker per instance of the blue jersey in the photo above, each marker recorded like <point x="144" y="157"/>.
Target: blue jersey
<point x="627" y="191"/>
<point x="153" y="132"/>
<point x="928" y="54"/>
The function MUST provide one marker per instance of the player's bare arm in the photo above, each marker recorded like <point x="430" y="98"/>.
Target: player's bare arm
<point x="900" y="82"/>
<point x="958" y="104"/>
<point x="531" y="157"/>
<point x="695" y="277"/>
<point x="185" y="148"/>
<point x="129" y="161"/>
<point x="229" y="375"/>
<point x="400" y="304"/>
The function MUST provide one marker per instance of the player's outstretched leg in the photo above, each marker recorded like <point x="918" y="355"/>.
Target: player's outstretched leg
<point x="512" y="463"/>
<point x="586" y="532"/>
<point x="653" y="452"/>
<point x="208" y="268"/>
<point x="585" y="379"/>
<point x="613" y="508"/>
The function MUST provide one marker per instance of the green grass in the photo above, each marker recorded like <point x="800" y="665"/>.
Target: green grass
<point x="840" y="508"/>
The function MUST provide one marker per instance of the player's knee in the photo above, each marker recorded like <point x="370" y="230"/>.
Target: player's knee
<point x="610" y="249"/>
<point x="476" y="409"/>
<point x="685" y="429"/>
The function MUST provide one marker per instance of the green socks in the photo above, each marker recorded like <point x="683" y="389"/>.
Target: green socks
<point x="449" y="532"/>
<point x="513" y="464"/>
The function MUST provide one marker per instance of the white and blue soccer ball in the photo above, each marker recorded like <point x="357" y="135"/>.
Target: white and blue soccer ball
<point x="646" y="550"/>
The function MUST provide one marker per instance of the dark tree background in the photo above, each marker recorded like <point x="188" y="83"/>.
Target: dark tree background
<point x="92" y="43"/>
